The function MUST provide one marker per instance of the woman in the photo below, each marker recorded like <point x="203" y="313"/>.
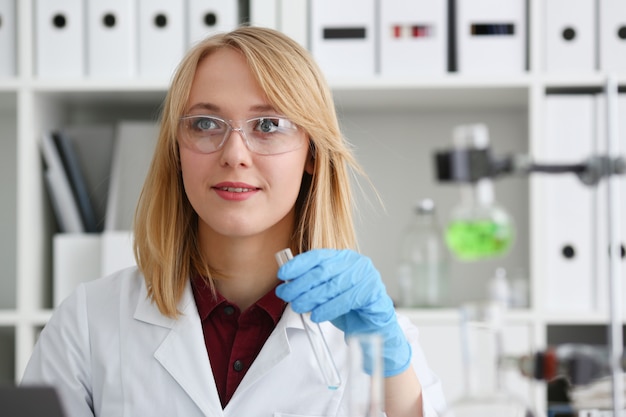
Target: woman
<point x="249" y="161"/>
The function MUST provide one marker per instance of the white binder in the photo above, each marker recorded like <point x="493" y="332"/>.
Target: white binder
<point x="116" y="251"/>
<point x="570" y="36"/>
<point x="602" y="246"/>
<point x="60" y="39"/>
<point x="76" y="259"/>
<point x="612" y="33"/>
<point x="111" y="28"/>
<point x="491" y="36"/>
<point x="8" y="38"/>
<point x="343" y="37"/>
<point x="294" y="20"/>
<point x="135" y="143"/>
<point x="567" y="255"/>
<point x="413" y="37"/>
<point x="162" y="39"/>
<point x="207" y="17"/>
<point x="264" y="13"/>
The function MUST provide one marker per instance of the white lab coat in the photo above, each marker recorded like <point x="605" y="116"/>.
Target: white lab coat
<point x="111" y="353"/>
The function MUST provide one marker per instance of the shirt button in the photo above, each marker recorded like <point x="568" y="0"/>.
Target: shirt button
<point x="238" y="365"/>
<point x="229" y="310"/>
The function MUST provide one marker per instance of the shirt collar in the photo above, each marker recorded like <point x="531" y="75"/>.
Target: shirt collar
<point x="208" y="300"/>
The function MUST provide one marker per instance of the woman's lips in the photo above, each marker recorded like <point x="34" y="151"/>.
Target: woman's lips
<point x="235" y="192"/>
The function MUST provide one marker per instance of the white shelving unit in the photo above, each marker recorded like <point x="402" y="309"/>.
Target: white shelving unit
<point x="395" y="125"/>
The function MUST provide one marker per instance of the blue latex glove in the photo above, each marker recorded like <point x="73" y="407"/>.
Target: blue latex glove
<point x="344" y="287"/>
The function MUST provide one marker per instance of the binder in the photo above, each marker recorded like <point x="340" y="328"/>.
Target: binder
<point x="74" y="172"/>
<point x="76" y="259"/>
<point x="491" y="36"/>
<point x="134" y="147"/>
<point x="161" y="22"/>
<point x="612" y="34"/>
<point x="601" y="278"/>
<point x="567" y="260"/>
<point x="570" y="36"/>
<point x="59" y="38"/>
<point x="57" y="182"/>
<point x="294" y="20"/>
<point x="111" y="38"/>
<point x="93" y="145"/>
<point x="264" y="13"/>
<point x="207" y="17"/>
<point x="116" y="251"/>
<point x="8" y="36"/>
<point x="413" y="37"/>
<point x="343" y="37"/>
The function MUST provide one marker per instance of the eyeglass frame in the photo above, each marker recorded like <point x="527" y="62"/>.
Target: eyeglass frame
<point x="230" y="129"/>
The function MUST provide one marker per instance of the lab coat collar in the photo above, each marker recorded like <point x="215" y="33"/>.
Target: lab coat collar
<point x="276" y="348"/>
<point x="183" y="353"/>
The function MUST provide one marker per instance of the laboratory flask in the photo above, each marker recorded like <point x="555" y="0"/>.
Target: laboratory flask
<point x="365" y="383"/>
<point x="479" y="228"/>
<point x="485" y="392"/>
<point x="422" y="270"/>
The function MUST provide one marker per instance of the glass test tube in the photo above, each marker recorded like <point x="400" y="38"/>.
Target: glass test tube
<point x="316" y="338"/>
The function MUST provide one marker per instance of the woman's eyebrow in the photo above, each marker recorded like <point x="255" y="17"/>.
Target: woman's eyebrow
<point x="205" y="106"/>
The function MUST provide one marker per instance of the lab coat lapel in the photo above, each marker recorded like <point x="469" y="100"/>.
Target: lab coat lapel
<point x="275" y="349"/>
<point x="183" y="352"/>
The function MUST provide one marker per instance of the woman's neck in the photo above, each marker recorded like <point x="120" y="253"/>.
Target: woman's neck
<point x="245" y="268"/>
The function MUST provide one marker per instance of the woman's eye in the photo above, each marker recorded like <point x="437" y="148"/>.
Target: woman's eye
<point x="204" y="123"/>
<point x="267" y="125"/>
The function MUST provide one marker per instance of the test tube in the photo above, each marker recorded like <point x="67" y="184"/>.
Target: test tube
<point x="316" y="338"/>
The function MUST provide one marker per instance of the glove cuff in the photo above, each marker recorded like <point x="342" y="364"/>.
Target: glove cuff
<point x="397" y="354"/>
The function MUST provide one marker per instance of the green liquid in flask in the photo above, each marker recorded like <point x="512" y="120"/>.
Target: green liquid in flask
<point x="478" y="239"/>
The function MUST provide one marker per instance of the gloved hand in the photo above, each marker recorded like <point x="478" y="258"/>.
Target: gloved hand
<point x="344" y="287"/>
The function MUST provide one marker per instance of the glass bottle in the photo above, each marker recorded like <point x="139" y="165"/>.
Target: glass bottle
<point x="422" y="270"/>
<point x="485" y="393"/>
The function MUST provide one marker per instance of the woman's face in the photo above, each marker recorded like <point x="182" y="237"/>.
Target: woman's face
<point x="236" y="192"/>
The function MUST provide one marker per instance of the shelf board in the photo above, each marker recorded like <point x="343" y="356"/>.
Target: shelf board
<point x="450" y="91"/>
<point x="437" y="92"/>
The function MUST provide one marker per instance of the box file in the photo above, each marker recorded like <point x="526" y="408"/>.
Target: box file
<point x="8" y="57"/>
<point x="567" y="260"/>
<point x="134" y="147"/>
<point x="413" y="37"/>
<point x="207" y="17"/>
<point x="76" y="259"/>
<point x="343" y="37"/>
<point x="59" y="38"/>
<point x="111" y="39"/>
<point x="491" y="36"/>
<point x="162" y="39"/>
<point x="116" y="251"/>
<point x="601" y="279"/>
<point x="294" y="20"/>
<point x="570" y="36"/>
<point x="264" y="13"/>
<point x="612" y="34"/>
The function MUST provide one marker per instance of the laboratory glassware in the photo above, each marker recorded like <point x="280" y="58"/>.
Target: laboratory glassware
<point x="422" y="270"/>
<point x="486" y="394"/>
<point x="365" y="382"/>
<point x="316" y="338"/>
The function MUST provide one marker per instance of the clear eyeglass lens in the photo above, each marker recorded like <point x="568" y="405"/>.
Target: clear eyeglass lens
<point x="263" y="135"/>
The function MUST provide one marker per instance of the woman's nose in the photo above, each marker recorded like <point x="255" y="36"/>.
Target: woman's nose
<point x="235" y="150"/>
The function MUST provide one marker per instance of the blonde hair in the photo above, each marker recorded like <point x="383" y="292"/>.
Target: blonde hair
<point x="165" y="225"/>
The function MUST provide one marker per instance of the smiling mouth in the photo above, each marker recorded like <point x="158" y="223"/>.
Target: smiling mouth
<point x="236" y="189"/>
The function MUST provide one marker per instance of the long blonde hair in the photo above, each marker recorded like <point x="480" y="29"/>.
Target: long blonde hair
<point x="165" y="225"/>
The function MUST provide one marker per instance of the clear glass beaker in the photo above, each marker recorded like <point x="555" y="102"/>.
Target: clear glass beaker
<point x="365" y="383"/>
<point x="482" y="350"/>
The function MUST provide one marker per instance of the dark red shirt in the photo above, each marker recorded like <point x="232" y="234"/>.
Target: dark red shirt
<point x="233" y="338"/>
